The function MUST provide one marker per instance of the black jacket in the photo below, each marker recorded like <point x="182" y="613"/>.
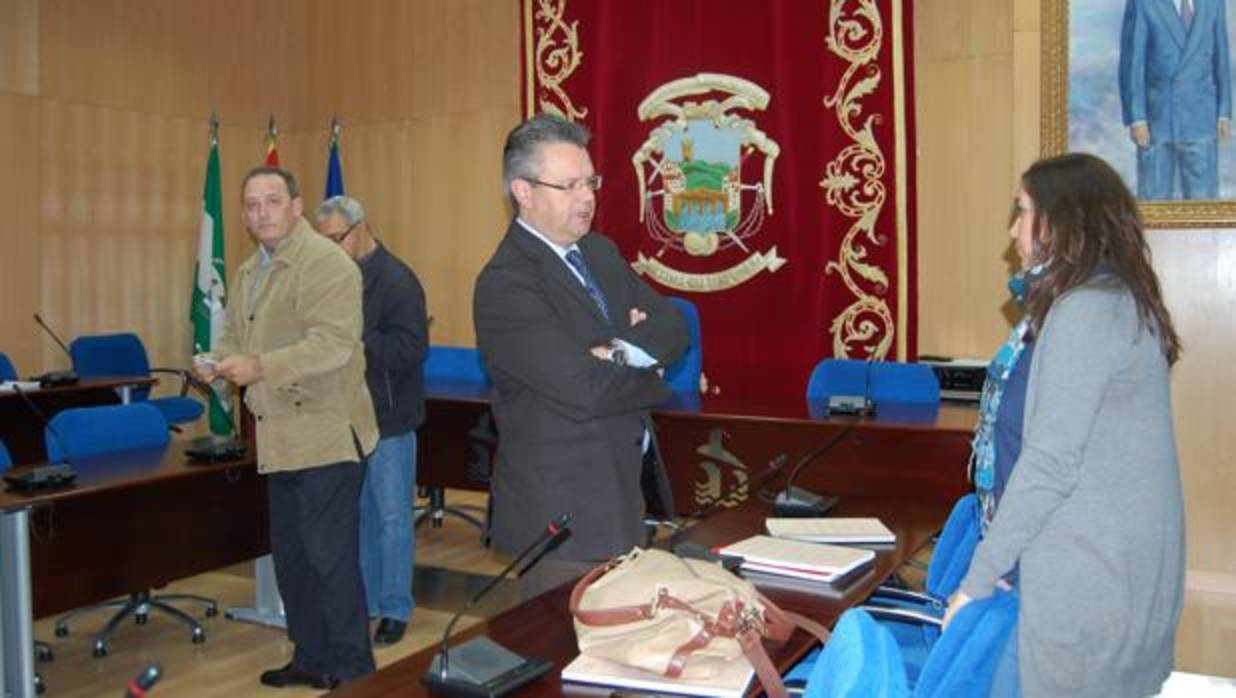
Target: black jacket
<point x="396" y="342"/>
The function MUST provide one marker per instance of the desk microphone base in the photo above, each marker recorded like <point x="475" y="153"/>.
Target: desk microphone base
<point x="799" y="503"/>
<point x="482" y="667"/>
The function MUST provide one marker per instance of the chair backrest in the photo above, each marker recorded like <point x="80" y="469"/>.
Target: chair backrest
<point x="111" y="355"/>
<point x="951" y="559"/>
<point x="82" y="432"/>
<point x="463" y="364"/>
<point x="7" y="372"/>
<point x="963" y="661"/>
<point x="683" y="376"/>
<point x="861" y="660"/>
<point x="5" y="459"/>
<point x="880" y="381"/>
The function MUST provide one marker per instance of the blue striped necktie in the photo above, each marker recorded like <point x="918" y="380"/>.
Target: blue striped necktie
<point x="1186" y="13"/>
<point x="590" y="284"/>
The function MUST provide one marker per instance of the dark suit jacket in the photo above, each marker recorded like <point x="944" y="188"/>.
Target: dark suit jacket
<point x="571" y="425"/>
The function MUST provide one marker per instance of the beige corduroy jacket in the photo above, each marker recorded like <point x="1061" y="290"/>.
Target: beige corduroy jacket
<point x="304" y="322"/>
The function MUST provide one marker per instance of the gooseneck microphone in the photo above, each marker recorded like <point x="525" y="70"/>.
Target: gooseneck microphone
<point x="144" y="681"/>
<point x="797" y="502"/>
<point x="52" y="378"/>
<point x="39" y="319"/>
<point x="482" y="667"/>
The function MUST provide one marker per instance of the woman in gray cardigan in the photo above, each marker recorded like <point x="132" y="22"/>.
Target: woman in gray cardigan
<point x="1092" y="518"/>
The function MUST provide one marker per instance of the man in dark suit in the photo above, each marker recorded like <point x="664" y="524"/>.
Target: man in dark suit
<point x="574" y="341"/>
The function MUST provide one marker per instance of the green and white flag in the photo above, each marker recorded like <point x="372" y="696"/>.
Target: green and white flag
<point x="210" y="286"/>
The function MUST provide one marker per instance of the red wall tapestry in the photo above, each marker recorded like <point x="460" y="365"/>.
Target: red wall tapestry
<point x="755" y="163"/>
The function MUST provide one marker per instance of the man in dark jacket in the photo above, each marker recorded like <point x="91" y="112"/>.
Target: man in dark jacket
<point x="396" y="339"/>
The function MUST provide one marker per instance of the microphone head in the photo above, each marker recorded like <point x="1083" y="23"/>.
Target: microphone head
<point x="559" y="524"/>
<point x="149" y="676"/>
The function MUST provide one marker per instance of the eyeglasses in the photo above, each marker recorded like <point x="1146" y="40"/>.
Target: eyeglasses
<point x="592" y="183"/>
<point x="339" y="238"/>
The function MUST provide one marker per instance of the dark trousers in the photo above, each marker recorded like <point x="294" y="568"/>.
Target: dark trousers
<point x="314" y="539"/>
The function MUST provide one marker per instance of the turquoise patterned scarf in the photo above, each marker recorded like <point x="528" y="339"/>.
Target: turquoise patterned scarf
<point x="983" y="446"/>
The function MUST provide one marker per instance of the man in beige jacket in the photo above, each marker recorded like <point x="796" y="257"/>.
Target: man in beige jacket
<point x="293" y="339"/>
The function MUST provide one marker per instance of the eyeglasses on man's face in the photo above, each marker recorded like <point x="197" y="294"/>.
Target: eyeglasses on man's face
<point x="338" y="238"/>
<point x="592" y="183"/>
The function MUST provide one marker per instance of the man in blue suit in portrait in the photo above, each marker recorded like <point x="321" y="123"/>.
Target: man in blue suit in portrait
<point x="1176" y="93"/>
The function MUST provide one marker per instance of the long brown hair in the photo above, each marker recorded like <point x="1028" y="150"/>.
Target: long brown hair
<point x="1086" y="218"/>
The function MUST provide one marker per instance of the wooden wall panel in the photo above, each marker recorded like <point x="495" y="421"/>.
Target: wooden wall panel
<point x="120" y="205"/>
<point x="19" y="237"/>
<point x="432" y="189"/>
<point x="171" y="58"/>
<point x="1198" y="272"/>
<point x="966" y="180"/>
<point x="393" y="60"/>
<point x="19" y="46"/>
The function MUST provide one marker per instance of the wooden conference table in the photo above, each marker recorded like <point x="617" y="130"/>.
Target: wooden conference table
<point x="131" y="521"/>
<point x="22" y="430"/>
<point x="905" y="466"/>
<point x="721" y="447"/>
<point x="542" y="627"/>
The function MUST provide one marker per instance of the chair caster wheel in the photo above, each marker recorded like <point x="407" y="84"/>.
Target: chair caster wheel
<point x="212" y="611"/>
<point x="99" y="651"/>
<point x="140" y="618"/>
<point x="199" y="636"/>
<point x="62" y="631"/>
<point x="45" y="654"/>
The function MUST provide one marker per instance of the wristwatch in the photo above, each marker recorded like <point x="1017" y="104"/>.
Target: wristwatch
<point x="616" y="353"/>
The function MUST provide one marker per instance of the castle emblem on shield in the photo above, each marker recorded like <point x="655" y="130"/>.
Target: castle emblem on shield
<point x="693" y="198"/>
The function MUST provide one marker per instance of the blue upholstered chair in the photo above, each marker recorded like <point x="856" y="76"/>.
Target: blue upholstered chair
<point x="455" y="364"/>
<point x="683" y="376"/>
<point x="7" y="372"/>
<point x="82" y="433"/>
<point x="124" y="355"/>
<point x="85" y="432"/>
<point x="880" y="381"/>
<point x="5" y="460"/>
<point x="948" y="565"/>
<point x="862" y="660"/>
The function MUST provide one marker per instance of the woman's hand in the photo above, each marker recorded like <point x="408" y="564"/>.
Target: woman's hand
<point x="956" y="602"/>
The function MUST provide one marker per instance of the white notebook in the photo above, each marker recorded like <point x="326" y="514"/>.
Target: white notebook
<point x="732" y="682"/>
<point x="821" y="561"/>
<point x="831" y="530"/>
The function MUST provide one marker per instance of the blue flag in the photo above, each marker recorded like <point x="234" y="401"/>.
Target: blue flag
<point x="334" y="170"/>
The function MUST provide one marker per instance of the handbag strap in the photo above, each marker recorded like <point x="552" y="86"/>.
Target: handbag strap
<point x="618" y="615"/>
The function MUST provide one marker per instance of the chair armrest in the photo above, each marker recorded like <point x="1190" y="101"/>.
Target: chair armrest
<point x="186" y="380"/>
<point x="894" y="594"/>
<point x="903" y="615"/>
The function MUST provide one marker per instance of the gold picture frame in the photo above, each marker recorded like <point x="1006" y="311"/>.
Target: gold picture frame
<point x="1054" y="124"/>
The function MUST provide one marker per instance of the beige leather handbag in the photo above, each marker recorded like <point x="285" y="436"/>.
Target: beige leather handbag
<point x="680" y="618"/>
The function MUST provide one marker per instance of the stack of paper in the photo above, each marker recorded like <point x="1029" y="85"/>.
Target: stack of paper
<point x="831" y="530"/>
<point x="24" y="386"/>
<point x="731" y="683"/>
<point x="793" y="558"/>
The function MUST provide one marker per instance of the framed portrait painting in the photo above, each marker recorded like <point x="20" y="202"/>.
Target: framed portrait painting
<point x="1147" y="86"/>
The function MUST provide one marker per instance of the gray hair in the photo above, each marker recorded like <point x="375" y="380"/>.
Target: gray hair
<point x="521" y="156"/>
<point x="345" y="206"/>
